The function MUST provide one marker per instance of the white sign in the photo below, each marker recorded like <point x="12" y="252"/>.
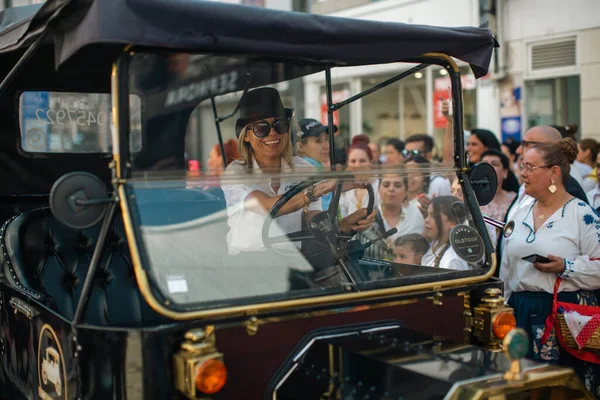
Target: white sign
<point x="467" y="81"/>
<point x="177" y="284"/>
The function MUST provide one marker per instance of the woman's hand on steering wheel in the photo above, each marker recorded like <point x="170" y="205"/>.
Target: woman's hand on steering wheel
<point x="359" y="182"/>
<point x="358" y="221"/>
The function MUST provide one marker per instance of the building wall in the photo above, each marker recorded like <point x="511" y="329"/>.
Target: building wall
<point x="426" y="12"/>
<point x="590" y="82"/>
<point x="538" y="21"/>
<point x="526" y="19"/>
<point x="399" y="110"/>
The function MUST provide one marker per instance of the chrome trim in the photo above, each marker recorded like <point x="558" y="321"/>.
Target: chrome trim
<point x="283" y="380"/>
<point x="313" y="340"/>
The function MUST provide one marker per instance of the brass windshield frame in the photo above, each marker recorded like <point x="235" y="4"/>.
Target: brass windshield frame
<point x="122" y="168"/>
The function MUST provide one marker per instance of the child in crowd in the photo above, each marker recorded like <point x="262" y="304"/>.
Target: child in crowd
<point x="410" y="248"/>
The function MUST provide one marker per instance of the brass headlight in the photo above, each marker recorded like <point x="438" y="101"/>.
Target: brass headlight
<point x="198" y="368"/>
<point x="492" y="319"/>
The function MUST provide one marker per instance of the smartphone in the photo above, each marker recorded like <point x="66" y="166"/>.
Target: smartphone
<point x="533" y="258"/>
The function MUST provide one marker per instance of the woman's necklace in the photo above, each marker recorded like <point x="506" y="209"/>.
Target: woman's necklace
<point x="549" y="210"/>
<point x="438" y="256"/>
<point x="360" y="195"/>
<point x="389" y="241"/>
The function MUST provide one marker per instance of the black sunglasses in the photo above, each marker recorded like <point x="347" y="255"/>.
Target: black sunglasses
<point x="262" y="129"/>
<point x="407" y="153"/>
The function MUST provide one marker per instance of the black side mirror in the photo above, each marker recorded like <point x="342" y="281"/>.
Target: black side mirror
<point x="79" y="199"/>
<point x="484" y="181"/>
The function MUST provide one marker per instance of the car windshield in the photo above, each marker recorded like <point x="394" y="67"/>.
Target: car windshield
<point x="204" y="225"/>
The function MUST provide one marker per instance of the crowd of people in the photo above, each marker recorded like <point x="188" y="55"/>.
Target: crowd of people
<point x="548" y="185"/>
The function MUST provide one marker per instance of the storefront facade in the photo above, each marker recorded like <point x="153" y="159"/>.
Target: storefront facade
<point x="551" y="52"/>
<point x="547" y="70"/>
<point x="411" y="105"/>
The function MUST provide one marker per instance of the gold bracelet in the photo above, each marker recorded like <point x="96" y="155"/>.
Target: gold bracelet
<point x="305" y="198"/>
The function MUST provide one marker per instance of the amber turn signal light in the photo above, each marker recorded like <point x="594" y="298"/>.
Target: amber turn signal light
<point x="503" y="323"/>
<point x="211" y="376"/>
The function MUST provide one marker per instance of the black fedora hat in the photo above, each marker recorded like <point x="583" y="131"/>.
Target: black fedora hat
<point x="259" y="104"/>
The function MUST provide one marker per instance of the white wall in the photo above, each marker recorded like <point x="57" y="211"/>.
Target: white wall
<point x="534" y="18"/>
<point x="426" y="12"/>
<point x="285" y="5"/>
<point x="589" y="59"/>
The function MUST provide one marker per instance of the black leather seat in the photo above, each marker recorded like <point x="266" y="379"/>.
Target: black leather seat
<point x="50" y="261"/>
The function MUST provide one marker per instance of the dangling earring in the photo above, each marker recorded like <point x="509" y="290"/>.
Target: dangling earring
<point x="552" y="188"/>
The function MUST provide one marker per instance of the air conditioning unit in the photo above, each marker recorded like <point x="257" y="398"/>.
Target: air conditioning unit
<point x="552" y="57"/>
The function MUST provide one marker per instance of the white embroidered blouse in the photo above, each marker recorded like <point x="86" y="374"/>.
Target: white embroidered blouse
<point x="572" y="232"/>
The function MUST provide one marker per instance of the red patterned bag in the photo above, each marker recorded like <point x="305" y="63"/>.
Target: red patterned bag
<point x="586" y="344"/>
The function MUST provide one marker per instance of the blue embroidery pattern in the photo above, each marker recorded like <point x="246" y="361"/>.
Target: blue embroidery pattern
<point x="550" y="225"/>
<point x="568" y="269"/>
<point x="531" y="237"/>
<point x="562" y="214"/>
<point x="589" y="219"/>
<point x="582" y="204"/>
<point x="591" y="208"/>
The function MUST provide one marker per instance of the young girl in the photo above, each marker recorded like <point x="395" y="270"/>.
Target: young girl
<point x="441" y="218"/>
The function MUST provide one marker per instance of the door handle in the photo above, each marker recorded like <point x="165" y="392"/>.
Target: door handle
<point x="22" y="307"/>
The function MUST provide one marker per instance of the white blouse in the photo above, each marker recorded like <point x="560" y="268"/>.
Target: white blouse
<point x="348" y="200"/>
<point x="412" y="221"/>
<point x="450" y="260"/>
<point x="439" y="186"/>
<point x="572" y="232"/>
<point x="245" y="226"/>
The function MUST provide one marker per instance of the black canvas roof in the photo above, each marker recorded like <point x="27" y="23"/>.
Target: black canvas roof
<point x="208" y="26"/>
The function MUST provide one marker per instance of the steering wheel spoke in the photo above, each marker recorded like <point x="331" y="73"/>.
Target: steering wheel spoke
<point x="324" y="230"/>
<point x="291" y="237"/>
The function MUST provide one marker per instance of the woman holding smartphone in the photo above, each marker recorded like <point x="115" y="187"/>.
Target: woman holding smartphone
<point x="564" y="230"/>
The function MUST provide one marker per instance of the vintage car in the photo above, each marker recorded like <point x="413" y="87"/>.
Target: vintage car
<point x="50" y="370"/>
<point x="117" y="276"/>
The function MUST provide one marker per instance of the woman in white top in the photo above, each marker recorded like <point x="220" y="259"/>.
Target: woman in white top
<point x="263" y="132"/>
<point x="441" y="218"/>
<point x="393" y="212"/>
<point x="360" y="158"/>
<point x="562" y="228"/>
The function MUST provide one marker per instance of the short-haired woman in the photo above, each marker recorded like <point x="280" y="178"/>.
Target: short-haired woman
<point x="313" y="146"/>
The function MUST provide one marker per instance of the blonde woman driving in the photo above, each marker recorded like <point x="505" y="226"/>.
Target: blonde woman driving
<point x="263" y="135"/>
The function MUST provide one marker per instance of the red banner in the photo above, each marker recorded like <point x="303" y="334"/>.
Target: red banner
<point x="439" y="121"/>
<point x="336" y="97"/>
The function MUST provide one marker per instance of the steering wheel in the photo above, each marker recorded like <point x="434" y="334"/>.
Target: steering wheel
<point x="320" y="226"/>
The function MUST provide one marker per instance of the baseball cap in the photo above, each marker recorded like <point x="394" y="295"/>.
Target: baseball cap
<point x="312" y="127"/>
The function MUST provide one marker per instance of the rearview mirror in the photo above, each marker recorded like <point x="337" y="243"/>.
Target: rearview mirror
<point x="79" y="199"/>
<point x="484" y="181"/>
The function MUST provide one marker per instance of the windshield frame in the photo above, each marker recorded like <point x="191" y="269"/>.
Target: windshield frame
<point x="123" y="170"/>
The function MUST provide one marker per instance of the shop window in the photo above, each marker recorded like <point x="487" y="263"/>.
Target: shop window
<point x="553" y="101"/>
<point x="380" y="110"/>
